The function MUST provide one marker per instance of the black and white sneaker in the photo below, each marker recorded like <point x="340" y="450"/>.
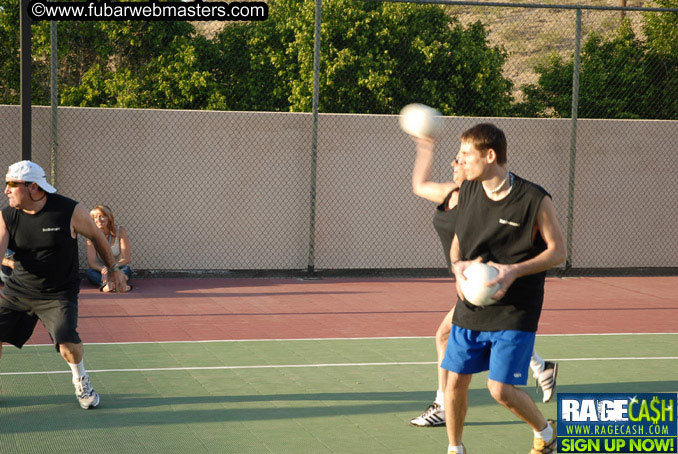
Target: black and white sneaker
<point x="546" y="380"/>
<point x="433" y="416"/>
<point x="87" y="397"/>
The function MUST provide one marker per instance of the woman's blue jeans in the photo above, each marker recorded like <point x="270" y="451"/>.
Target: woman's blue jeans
<point x="94" y="276"/>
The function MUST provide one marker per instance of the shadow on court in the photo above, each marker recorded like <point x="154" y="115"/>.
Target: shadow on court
<point x="25" y="414"/>
<point x="200" y="293"/>
<point x="262" y="287"/>
<point x="268" y="314"/>
<point x="123" y="401"/>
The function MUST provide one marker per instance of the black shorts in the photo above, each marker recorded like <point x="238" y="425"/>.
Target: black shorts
<point x="18" y="317"/>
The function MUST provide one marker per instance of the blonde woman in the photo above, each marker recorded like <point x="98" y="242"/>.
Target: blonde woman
<point x="117" y="238"/>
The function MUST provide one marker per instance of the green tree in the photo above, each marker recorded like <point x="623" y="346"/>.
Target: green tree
<point x="376" y="57"/>
<point x="171" y="80"/>
<point x="249" y="66"/>
<point x="620" y="77"/>
<point x="131" y="64"/>
<point x="10" y="61"/>
<point x="662" y="28"/>
<point x="9" y="52"/>
<point x="121" y="64"/>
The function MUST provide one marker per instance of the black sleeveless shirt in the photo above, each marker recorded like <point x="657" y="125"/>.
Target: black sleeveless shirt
<point x="444" y="221"/>
<point x="45" y="253"/>
<point x="502" y="231"/>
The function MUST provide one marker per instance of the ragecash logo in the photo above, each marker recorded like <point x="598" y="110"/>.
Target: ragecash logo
<point x="618" y="423"/>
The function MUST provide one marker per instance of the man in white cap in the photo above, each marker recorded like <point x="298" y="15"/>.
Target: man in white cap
<point x="41" y="227"/>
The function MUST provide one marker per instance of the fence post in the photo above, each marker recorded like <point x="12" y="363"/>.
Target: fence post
<point x="26" y="72"/>
<point x="54" y="98"/>
<point x="314" y="137"/>
<point x="573" y="140"/>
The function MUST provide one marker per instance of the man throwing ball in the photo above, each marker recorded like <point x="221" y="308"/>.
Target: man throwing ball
<point x="41" y="227"/>
<point x="510" y="223"/>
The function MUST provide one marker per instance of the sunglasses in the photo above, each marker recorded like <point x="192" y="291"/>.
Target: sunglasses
<point x="15" y="184"/>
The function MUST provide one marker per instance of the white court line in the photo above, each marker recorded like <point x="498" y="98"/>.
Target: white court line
<point x="291" y="366"/>
<point x="337" y="339"/>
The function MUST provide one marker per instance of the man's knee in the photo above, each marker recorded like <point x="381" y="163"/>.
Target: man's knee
<point x="71" y="349"/>
<point x="443" y="334"/>
<point x="457" y="382"/>
<point x="70" y="346"/>
<point x="501" y="392"/>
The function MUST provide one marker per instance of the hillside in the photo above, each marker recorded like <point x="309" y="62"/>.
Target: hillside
<point x="531" y="35"/>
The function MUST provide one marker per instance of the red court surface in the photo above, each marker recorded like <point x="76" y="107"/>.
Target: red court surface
<point x="221" y="309"/>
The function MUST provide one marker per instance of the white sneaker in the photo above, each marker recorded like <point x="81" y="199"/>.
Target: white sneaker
<point x="540" y="446"/>
<point x="449" y="451"/>
<point x="87" y="397"/>
<point x="546" y="380"/>
<point x="433" y="416"/>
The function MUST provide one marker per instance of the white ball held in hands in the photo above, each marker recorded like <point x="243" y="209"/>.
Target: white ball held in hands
<point x="475" y="291"/>
<point x="420" y="121"/>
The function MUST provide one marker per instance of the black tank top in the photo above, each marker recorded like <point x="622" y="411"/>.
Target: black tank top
<point x="444" y="221"/>
<point x="46" y="256"/>
<point x="502" y="231"/>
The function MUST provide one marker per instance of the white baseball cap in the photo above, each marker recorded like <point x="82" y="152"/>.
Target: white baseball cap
<point x="30" y="172"/>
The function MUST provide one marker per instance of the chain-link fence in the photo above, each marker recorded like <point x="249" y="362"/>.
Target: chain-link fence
<point x="588" y="103"/>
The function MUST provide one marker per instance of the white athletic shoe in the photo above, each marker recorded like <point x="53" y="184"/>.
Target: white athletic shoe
<point x="540" y="446"/>
<point x="433" y="416"/>
<point x="546" y="380"/>
<point x="449" y="451"/>
<point x="87" y="397"/>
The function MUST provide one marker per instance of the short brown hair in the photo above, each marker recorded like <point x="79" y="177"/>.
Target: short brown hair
<point x="484" y="136"/>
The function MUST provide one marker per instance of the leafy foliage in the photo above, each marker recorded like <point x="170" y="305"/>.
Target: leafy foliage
<point x="10" y="57"/>
<point x="620" y="77"/>
<point x="130" y="64"/>
<point x="376" y="57"/>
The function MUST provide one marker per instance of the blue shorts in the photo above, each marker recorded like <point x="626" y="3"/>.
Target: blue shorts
<point x="506" y="354"/>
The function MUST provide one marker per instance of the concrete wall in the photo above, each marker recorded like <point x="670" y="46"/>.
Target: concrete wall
<point x="230" y="190"/>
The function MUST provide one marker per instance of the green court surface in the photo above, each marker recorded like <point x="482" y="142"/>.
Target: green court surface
<point x="301" y="396"/>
